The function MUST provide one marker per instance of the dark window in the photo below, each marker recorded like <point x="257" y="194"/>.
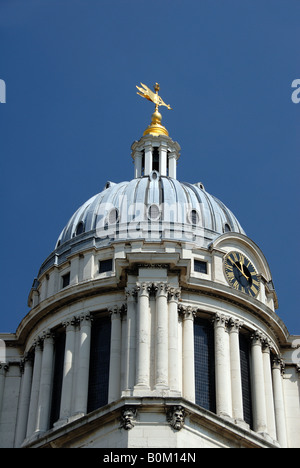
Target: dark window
<point x="99" y="363"/>
<point x="204" y="364"/>
<point x="59" y="350"/>
<point x="194" y="217"/>
<point x="105" y="265"/>
<point x="227" y="228"/>
<point x="80" y="228"/>
<point x="155" y="155"/>
<point x="200" y="267"/>
<point x="66" y="280"/>
<point x="245" y="375"/>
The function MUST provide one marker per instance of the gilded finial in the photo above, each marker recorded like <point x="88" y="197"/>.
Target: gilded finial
<point x="155" y="128"/>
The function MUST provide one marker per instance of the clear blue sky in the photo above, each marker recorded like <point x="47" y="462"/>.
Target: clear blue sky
<point x="72" y="113"/>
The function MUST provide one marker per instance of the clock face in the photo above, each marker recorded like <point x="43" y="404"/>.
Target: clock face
<point x="241" y="274"/>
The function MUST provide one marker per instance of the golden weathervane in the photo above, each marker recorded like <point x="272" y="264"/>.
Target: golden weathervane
<point x="155" y="128"/>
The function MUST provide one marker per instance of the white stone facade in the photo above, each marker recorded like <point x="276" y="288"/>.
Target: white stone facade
<point x="153" y="296"/>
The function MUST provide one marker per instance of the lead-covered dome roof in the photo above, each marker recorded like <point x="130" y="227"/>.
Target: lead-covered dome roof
<point x="152" y="207"/>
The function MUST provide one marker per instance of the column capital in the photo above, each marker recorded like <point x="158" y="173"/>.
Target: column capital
<point x="143" y="289"/>
<point x="174" y="294"/>
<point x="220" y="320"/>
<point x="84" y="318"/>
<point x="161" y="289"/>
<point x="266" y="345"/>
<point x="257" y="338"/>
<point x="69" y="323"/>
<point x="278" y="363"/>
<point x="235" y="324"/>
<point x="188" y="312"/>
<point x="48" y="336"/>
<point x="131" y="293"/>
<point x="114" y="311"/>
<point x="37" y="343"/>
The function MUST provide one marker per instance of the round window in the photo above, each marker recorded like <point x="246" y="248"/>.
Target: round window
<point x="154" y="212"/>
<point x="113" y="216"/>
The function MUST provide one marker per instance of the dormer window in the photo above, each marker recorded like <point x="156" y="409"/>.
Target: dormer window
<point x="80" y="228"/>
<point x="66" y="280"/>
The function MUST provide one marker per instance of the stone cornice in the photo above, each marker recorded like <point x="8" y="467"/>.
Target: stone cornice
<point x="109" y="414"/>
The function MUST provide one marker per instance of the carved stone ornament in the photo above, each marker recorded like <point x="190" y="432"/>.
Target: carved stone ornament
<point x="176" y="416"/>
<point x="128" y="418"/>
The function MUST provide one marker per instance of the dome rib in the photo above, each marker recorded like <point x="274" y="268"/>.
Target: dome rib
<point x="132" y="200"/>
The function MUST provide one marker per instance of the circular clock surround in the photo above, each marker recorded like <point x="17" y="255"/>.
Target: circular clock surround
<point x="241" y="274"/>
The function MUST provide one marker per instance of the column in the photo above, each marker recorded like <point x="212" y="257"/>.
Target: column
<point x="68" y="370"/>
<point x="143" y="336"/>
<point x="35" y="387"/>
<point x="258" y="385"/>
<point x="277" y="370"/>
<point x="188" y="378"/>
<point x="172" y="165"/>
<point x="148" y="158"/>
<point x="24" y="400"/>
<point x="83" y="365"/>
<point x="44" y="403"/>
<point x="235" y="369"/>
<point x="163" y="159"/>
<point x="3" y="370"/>
<point x="161" y="336"/>
<point x="174" y="294"/>
<point x="115" y="355"/>
<point x="222" y="367"/>
<point x="271" y="427"/>
<point x="130" y="347"/>
<point x="138" y="164"/>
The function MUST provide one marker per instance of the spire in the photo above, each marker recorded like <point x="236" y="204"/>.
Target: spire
<point x="155" y="128"/>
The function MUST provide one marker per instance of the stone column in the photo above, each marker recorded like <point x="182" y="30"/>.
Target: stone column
<point x="138" y="164"/>
<point x="161" y="335"/>
<point x="172" y="165"/>
<point x="269" y="390"/>
<point x="115" y="355"/>
<point x="83" y="365"/>
<point x="148" y="158"/>
<point x="188" y="358"/>
<point x="130" y="345"/>
<point x="235" y="368"/>
<point x="35" y="387"/>
<point x="174" y="294"/>
<point x="24" y="400"/>
<point x="163" y="159"/>
<point x="3" y="370"/>
<point x="143" y="336"/>
<point x="222" y="367"/>
<point x="68" y="370"/>
<point x="258" y="384"/>
<point x="44" y="403"/>
<point x="277" y="370"/>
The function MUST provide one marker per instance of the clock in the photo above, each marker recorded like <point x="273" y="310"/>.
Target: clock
<point x="241" y="274"/>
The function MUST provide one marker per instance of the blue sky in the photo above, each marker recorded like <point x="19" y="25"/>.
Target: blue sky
<point x="72" y="113"/>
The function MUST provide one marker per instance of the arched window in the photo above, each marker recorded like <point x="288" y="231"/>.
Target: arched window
<point x="245" y="375"/>
<point x="80" y="228"/>
<point x="99" y="363"/>
<point x="204" y="364"/>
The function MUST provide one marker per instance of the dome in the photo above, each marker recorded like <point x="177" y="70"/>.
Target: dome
<point x="151" y="207"/>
